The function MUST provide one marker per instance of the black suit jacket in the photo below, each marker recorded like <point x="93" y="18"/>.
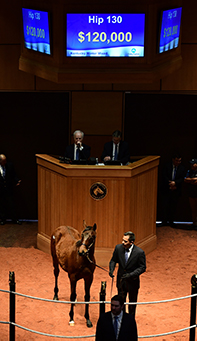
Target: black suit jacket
<point x="135" y="265"/>
<point x="123" y="155"/>
<point x="84" y="154"/>
<point x="167" y="176"/>
<point x="10" y="180"/>
<point x="105" y="330"/>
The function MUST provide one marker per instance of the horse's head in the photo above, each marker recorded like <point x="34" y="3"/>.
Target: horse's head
<point x="87" y="241"/>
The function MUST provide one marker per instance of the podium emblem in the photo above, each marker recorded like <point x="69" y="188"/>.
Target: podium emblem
<point x="98" y="191"/>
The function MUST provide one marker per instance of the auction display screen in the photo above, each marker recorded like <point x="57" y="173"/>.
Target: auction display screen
<point x="170" y="29"/>
<point x="36" y="30"/>
<point x="105" y="35"/>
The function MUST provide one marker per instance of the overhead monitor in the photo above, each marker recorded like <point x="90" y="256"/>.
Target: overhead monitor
<point x="105" y="35"/>
<point x="36" y="30"/>
<point x="169" y="29"/>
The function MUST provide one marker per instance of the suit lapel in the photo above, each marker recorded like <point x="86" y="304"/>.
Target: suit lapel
<point x="122" y="256"/>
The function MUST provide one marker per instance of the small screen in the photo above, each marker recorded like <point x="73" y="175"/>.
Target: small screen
<point x="36" y="30"/>
<point x="105" y="35"/>
<point x="170" y="29"/>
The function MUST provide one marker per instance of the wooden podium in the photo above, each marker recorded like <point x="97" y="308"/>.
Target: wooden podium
<point x="116" y="198"/>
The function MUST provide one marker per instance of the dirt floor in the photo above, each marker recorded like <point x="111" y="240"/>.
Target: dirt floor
<point x="168" y="276"/>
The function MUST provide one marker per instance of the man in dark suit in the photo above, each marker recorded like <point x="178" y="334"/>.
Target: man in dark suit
<point x="132" y="263"/>
<point x="116" y="324"/>
<point x="8" y="181"/>
<point x="78" y="150"/>
<point x="191" y="180"/>
<point x="172" y="179"/>
<point x="116" y="149"/>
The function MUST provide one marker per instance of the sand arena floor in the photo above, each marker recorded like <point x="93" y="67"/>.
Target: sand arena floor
<point x="169" y="271"/>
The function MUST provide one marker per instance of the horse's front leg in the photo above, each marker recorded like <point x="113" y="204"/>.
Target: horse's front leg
<point x="72" y="299"/>
<point x="88" y="282"/>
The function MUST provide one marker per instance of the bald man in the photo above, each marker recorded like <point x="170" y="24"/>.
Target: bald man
<point x="8" y="181"/>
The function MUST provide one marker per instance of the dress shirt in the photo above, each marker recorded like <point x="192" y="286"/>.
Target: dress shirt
<point x="1" y="170"/>
<point x="130" y="250"/>
<point x="119" y="321"/>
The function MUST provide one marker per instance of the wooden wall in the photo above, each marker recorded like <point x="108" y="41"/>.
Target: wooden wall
<point x="98" y="109"/>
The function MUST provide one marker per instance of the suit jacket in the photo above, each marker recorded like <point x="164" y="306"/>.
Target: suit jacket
<point x="167" y="176"/>
<point x="10" y="180"/>
<point x="84" y="154"/>
<point x="123" y="155"/>
<point x="135" y="265"/>
<point x="105" y="329"/>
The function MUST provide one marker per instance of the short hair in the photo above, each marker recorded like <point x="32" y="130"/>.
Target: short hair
<point x="177" y="155"/>
<point x="117" y="133"/>
<point x="78" y="131"/>
<point x="131" y="236"/>
<point x="118" y="298"/>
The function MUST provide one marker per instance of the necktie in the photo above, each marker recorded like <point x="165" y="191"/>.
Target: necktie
<point x="126" y="255"/>
<point x="116" y="325"/>
<point x="116" y="153"/>
<point x="174" y="173"/>
<point x="77" y="154"/>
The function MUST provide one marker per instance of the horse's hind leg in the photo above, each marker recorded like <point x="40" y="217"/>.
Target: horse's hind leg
<point x="56" y="274"/>
<point x="88" y="283"/>
<point x="55" y="266"/>
<point x="72" y="298"/>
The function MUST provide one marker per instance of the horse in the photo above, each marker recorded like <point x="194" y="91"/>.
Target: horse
<point x="75" y="255"/>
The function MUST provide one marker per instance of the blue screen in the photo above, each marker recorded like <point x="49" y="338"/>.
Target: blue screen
<point x="105" y="35"/>
<point x="36" y="30"/>
<point x="170" y="29"/>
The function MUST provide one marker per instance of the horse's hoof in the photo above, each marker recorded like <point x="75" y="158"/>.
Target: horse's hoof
<point x="89" y="324"/>
<point x="72" y="323"/>
<point x="55" y="298"/>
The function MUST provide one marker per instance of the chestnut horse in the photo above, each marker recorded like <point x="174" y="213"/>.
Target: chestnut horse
<point x="71" y="251"/>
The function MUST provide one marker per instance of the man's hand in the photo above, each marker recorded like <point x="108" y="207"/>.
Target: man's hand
<point x="172" y="185"/>
<point x="125" y="276"/>
<point x="111" y="274"/>
<point x="18" y="183"/>
<point x="107" y="158"/>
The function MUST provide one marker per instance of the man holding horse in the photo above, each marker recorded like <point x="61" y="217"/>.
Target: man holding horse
<point x="116" y="324"/>
<point x="132" y="263"/>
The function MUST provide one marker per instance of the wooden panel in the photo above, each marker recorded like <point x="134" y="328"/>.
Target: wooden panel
<point x="189" y="22"/>
<point x="186" y="77"/>
<point x="143" y="198"/>
<point x="108" y="212"/>
<point x="52" y="202"/>
<point x="43" y="84"/>
<point x="92" y="112"/>
<point x="137" y="87"/>
<point x="97" y="87"/>
<point x="10" y="22"/>
<point x="11" y="78"/>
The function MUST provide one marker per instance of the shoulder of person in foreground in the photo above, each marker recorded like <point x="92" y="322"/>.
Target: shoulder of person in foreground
<point x="129" y="327"/>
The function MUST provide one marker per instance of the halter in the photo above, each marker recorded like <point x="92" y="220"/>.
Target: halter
<point x="88" y="249"/>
